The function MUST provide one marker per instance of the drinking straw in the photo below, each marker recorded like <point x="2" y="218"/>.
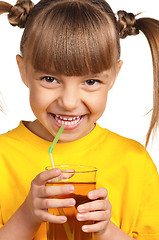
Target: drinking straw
<point x="53" y="145"/>
<point x="60" y="210"/>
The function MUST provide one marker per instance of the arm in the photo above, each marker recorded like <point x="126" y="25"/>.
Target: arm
<point x="113" y="233"/>
<point x="19" y="226"/>
<point x="28" y="218"/>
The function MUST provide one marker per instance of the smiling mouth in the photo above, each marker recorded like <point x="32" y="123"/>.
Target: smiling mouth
<point x="68" y="121"/>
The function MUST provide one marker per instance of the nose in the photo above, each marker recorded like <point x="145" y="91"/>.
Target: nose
<point x="69" y="98"/>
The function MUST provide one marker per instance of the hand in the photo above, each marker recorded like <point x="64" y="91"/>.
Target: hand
<point x="98" y="210"/>
<point x="39" y="198"/>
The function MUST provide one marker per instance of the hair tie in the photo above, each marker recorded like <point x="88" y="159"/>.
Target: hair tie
<point x="19" y="13"/>
<point x="127" y="24"/>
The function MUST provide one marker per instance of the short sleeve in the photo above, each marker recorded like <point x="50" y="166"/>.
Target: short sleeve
<point x="147" y="225"/>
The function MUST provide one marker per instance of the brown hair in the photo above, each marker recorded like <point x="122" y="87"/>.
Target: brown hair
<point x="18" y="13"/>
<point x="80" y="37"/>
<point x="1" y="103"/>
<point x="129" y="25"/>
<point x="65" y="32"/>
<point x="1" y="109"/>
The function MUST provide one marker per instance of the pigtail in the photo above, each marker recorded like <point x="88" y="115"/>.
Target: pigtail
<point x="150" y="28"/>
<point x="129" y="25"/>
<point x="17" y="14"/>
<point x="5" y="7"/>
<point x="2" y="104"/>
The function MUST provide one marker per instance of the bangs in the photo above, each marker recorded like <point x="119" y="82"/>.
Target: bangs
<point x="73" y="38"/>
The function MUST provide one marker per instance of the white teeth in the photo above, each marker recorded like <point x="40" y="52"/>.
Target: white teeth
<point x="65" y="118"/>
<point x="70" y="119"/>
<point x="67" y="121"/>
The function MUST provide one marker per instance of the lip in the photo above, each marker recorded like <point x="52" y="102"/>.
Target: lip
<point x="68" y="121"/>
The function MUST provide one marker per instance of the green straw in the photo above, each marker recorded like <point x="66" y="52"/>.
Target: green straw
<point x="60" y="210"/>
<point x="53" y="145"/>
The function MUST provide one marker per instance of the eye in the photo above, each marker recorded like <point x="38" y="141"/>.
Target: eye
<point x="92" y="82"/>
<point x="49" y="79"/>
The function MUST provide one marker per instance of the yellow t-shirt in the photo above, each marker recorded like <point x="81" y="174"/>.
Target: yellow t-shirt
<point x="124" y="169"/>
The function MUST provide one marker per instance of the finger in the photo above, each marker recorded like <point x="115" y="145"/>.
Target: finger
<point x="54" y="203"/>
<point x="101" y="193"/>
<point x="43" y="177"/>
<point x="50" y="191"/>
<point x="47" y="217"/>
<point x="67" y="174"/>
<point x="99" y="226"/>
<point x="94" y="216"/>
<point x="94" y="206"/>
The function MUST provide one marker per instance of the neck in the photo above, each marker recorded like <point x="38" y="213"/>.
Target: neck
<point x="38" y="129"/>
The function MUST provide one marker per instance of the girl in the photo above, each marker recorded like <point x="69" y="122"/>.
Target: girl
<point x="70" y="58"/>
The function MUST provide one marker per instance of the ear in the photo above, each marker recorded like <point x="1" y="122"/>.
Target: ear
<point x="22" y="69"/>
<point x="119" y="65"/>
<point x="117" y="70"/>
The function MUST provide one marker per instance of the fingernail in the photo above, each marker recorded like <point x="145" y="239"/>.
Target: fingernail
<point x="90" y="194"/>
<point x="63" y="219"/>
<point x="79" y="216"/>
<point x="71" y="202"/>
<point x="57" y="170"/>
<point x="81" y="208"/>
<point x="71" y="188"/>
<point x="85" y="229"/>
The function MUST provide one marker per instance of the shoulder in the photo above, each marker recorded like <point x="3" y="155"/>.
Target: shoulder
<point x="11" y="137"/>
<point x="117" y="141"/>
<point x="129" y="156"/>
<point x="123" y="149"/>
<point x="8" y="134"/>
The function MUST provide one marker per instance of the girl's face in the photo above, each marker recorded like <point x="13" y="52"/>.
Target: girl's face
<point x="76" y="102"/>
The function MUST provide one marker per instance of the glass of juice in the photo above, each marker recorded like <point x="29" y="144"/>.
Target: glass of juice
<point x="83" y="178"/>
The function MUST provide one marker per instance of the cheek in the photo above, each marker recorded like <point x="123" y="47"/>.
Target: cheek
<point x="39" y="100"/>
<point x="99" y="103"/>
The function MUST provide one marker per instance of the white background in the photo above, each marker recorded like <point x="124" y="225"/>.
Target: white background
<point x="128" y="101"/>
